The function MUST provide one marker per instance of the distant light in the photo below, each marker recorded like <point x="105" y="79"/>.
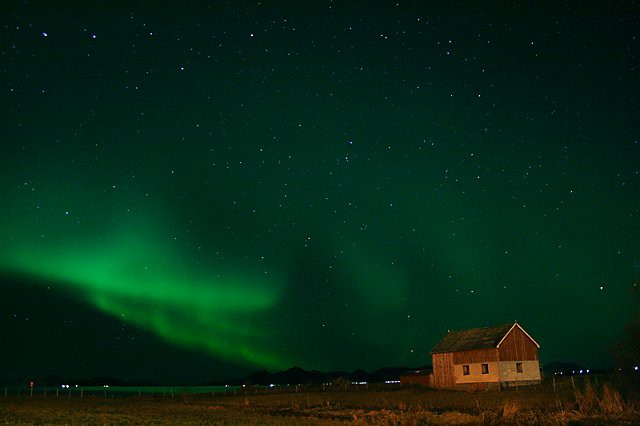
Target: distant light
<point x="587" y="371"/>
<point x="580" y="371"/>
<point x="272" y="385"/>
<point x="105" y="386"/>
<point x="635" y="368"/>
<point x="45" y="34"/>
<point x="390" y="382"/>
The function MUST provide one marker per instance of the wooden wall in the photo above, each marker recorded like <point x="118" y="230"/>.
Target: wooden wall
<point x="443" y="374"/>
<point x="475" y="356"/>
<point x="415" y="379"/>
<point x="517" y="346"/>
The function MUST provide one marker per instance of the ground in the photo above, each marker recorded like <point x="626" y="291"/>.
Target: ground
<point x="592" y="404"/>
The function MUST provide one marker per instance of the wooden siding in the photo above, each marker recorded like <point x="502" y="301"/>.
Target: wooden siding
<point x="475" y="356"/>
<point x="443" y="374"/>
<point x="415" y="379"/>
<point x="517" y="346"/>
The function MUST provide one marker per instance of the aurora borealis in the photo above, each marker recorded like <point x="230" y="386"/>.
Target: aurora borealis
<point x="331" y="185"/>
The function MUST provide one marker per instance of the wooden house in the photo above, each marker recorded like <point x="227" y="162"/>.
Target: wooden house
<point x="486" y="358"/>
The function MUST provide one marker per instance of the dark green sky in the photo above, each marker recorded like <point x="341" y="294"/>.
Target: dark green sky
<point x="331" y="185"/>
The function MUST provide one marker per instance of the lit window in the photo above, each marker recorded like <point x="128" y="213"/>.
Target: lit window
<point x="518" y="367"/>
<point x="465" y="370"/>
<point x="485" y="368"/>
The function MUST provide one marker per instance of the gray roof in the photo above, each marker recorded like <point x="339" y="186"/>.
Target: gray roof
<point x="474" y="338"/>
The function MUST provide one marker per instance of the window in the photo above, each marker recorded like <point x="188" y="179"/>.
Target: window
<point x="485" y="368"/>
<point x="518" y="367"/>
<point x="465" y="370"/>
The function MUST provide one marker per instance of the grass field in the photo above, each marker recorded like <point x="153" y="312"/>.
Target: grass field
<point x="587" y="404"/>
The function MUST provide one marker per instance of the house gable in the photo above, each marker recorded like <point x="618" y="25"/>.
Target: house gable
<point x="517" y="345"/>
<point x="516" y="325"/>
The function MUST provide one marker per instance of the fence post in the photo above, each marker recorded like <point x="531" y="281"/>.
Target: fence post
<point x="554" y="382"/>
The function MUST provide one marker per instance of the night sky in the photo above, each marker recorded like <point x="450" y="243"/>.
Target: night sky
<point x="199" y="190"/>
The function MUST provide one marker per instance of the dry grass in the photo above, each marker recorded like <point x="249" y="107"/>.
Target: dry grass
<point x="611" y="402"/>
<point x="407" y="407"/>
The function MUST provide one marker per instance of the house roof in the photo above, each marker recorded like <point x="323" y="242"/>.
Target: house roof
<point x="475" y="338"/>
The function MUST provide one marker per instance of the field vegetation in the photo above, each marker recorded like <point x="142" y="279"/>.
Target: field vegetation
<point x="587" y="402"/>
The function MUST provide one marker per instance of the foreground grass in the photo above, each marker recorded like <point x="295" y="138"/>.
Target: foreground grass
<point x="405" y="406"/>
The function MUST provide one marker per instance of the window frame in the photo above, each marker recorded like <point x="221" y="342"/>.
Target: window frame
<point x="466" y="371"/>
<point x="485" y="368"/>
<point x="519" y="367"/>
